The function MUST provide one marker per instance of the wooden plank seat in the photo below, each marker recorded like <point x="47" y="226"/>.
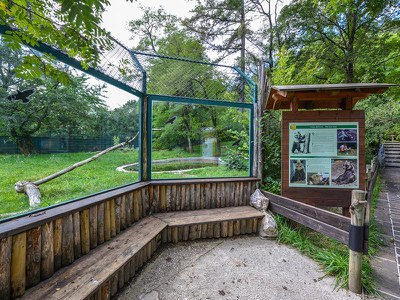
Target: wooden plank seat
<point x="106" y="267"/>
<point x="99" y="274"/>
<point x="210" y="223"/>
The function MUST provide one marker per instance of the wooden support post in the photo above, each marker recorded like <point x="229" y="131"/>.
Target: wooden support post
<point x="356" y="239"/>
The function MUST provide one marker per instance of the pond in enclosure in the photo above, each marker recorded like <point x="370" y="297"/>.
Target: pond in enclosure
<point x="176" y="165"/>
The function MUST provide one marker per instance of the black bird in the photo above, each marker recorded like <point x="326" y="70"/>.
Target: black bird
<point x="21" y="95"/>
<point x="171" y="120"/>
<point x="236" y="143"/>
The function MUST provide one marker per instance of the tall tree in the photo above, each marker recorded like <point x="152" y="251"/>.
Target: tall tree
<point x="335" y="37"/>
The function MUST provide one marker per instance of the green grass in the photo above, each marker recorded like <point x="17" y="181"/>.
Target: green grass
<point x="330" y="254"/>
<point x="94" y="177"/>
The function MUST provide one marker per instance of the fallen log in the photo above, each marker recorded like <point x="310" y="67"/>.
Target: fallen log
<point x="31" y="189"/>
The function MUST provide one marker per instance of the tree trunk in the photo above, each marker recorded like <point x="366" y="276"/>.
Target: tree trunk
<point x="25" y="144"/>
<point x="190" y="146"/>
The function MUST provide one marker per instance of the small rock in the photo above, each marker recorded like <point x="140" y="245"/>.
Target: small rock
<point x="221" y="292"/>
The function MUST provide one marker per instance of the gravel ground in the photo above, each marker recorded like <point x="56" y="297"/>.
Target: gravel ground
<point x="235" y="268"/>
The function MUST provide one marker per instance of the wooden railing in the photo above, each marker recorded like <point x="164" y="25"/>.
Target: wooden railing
<point x="33" y="247"/>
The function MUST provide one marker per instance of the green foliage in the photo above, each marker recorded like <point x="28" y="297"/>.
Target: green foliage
<point x="71" y="26"/>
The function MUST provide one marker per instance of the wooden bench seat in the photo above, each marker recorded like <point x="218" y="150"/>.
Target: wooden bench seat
<point x="91" y="273"/>
<point x="210" y="223"/>
<point x="99" y="274"/>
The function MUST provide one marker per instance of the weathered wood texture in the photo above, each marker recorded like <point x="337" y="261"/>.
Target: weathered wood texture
<point x="60" y="235"/>
<point x="86" y="276"/>
<point x="333" y="197"/>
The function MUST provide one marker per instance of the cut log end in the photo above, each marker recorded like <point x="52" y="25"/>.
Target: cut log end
<point x="31" y="190"/>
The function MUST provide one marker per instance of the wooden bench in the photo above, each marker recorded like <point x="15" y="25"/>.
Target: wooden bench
<point x="108" y="267"/>
<point x="209" y="223"/>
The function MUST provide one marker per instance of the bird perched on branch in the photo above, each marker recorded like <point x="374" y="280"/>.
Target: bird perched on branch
<point x="21" y="95"/>
<point x="171" y="120"/>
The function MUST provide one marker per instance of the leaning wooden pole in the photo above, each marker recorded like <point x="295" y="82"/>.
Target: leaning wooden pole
<point x="356" y="239"/>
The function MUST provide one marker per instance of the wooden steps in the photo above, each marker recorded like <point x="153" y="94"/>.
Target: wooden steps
<point x="392" y="154"/>
<point x="99" y="274"/>
<point x="100" y="271"/>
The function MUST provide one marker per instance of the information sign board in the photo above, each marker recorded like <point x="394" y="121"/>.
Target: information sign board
<point x="324" y="155"/>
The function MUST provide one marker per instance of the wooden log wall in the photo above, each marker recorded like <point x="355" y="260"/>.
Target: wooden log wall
<point x="33" y="247"/>
<point x="174" y="195"/>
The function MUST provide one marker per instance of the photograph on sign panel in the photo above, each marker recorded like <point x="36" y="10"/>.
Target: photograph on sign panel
<point x="298" y="171"/>
<point x="347" y="148"/>
<point x="344" y="172"/>
<point x="320" y="178"/>
<point x="301" y="143"/>
<point x="347" y="135"/>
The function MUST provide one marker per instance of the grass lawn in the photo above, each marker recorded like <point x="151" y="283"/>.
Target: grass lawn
<point x="94" y="177"/>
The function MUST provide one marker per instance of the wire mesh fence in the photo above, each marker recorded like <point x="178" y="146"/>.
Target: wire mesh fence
<point x="171" y="76"/>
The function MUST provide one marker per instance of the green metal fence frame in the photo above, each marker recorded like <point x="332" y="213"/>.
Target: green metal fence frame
<point x="62" y="57"/>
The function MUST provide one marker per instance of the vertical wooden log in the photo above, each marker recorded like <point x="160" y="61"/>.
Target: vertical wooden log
<point x="114" y="284"/>
<point x="213" y="196"/>
<point x="198" y="203"/>
<point x="173" y="197"/>
<point x="356" y="239"/>
<point x="77" y="235"/>
<point x="193" y="232"/>
<point x="5" y="267"/>
<point x="208" y="196"/>
<point x="178" y="197"/>
<point x="107" y="220"/>
<point x="106" y="290"/>
<point x="180" y="233"/>
<point x="255" y="225"/>
<point x="133" y="265"/>
<point x="237" y="194"/>
<point x="242" y="194"/>
<point x="121" y="278"/>
<point x="163" y="201"/>
<point x="127" y="272"/>
<point x="93" y="226"/>
<point x="140" y="198"/>
<point x="100" y="223"/>
<point x="85" y="239"/>
<point x="184" y="198"/>
<point x="136" y="210"/>
<point x="174" y="233"/>
<point x="228" y="194"/>
<point x="224" y="229"/>
<point x="203" y="231"/>
<point x="210" y="230"/>
<point x="145" y="202"/>
<point x="164" y="236"/>
<point x="168" y="192"/>
<point x="169" y="234"/>
<point x="185" y="233"/>
<point x="112" y="218"/>
<point x="129" y="209"/>
<point x="18" y="265"/>
<point x="222" y="193"/>
<point x="217" y="230"/>
<point x="47" y="251"/>
<point x="150" y="191"/>
<point x="192" y="198"/>
<point x="236" y="227"/>
<point x="155" y="194"/>
<point x="249" y="226"/>
<point x="230" y="228"/>
<point x="67" y="244"/>
<point x="218" y="195"/>
<point x="57" y="239"/>
<point x="33" y="256"/>
<point x="188" y="193"/>
<point x="117" y="213"/>
<point x="123" y="212"/>
<point x="243" y="226"/>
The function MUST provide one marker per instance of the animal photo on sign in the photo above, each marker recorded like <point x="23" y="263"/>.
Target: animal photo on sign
<point x="301" y="143"/>
<point x="314" y="178"/>
<point x="298" y="171"/>
<point x="347" y="135"/>
<point x="347" y="149"/>
<point x="344" y="172"/>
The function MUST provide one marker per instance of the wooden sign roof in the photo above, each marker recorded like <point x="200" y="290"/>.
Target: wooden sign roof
<point x="322" y="96"/>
